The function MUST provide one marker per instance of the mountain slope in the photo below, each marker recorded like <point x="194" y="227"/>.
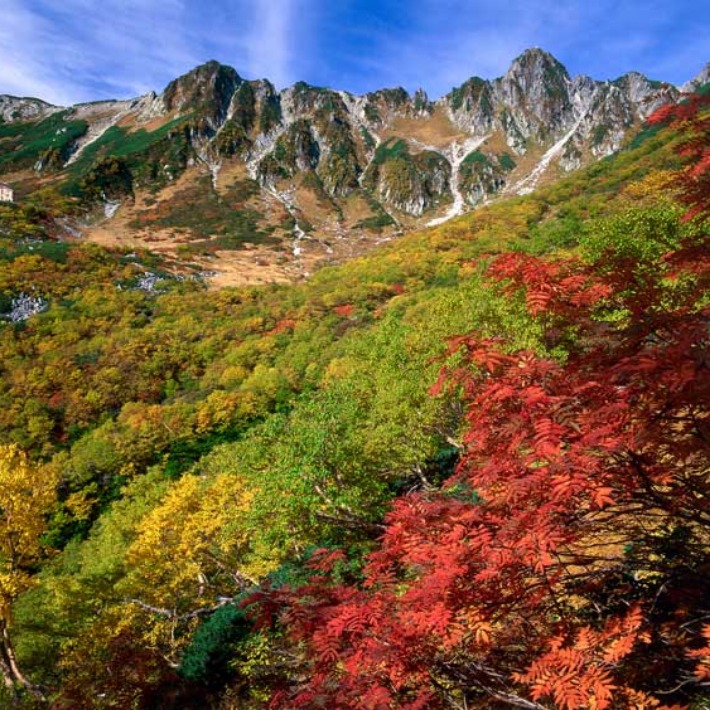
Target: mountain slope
<point x="303" y="412"/>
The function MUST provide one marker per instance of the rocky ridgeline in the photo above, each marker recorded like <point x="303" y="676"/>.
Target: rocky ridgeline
<point x="372" y="144"/>
<point x="13" y="108"/>
<point x="537" y="102"/>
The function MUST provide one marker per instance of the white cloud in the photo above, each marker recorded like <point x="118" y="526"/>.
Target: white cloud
<point x="81" y="50"/>
<point x="20" y="63"/>
<point x="124" y="44"/>
<point x="270" y="44"/>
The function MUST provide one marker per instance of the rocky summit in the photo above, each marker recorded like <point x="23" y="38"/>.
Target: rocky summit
<point x="217" y="162"/>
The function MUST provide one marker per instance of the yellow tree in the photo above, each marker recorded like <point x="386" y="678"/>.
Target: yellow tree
<point x="26" y="496"/>
<point x="191" y="555"/>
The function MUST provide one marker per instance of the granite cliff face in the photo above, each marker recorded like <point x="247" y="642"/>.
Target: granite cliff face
<point x="406" y="156"/>
<point x="699" y="81"/>
<point x="538" y="106"/>
<point x="15" y="108"/>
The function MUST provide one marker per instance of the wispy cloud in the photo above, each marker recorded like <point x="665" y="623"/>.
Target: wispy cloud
<point x="82" y="50"/>
<point x="20" y="72"/>
<point x="78" y="50"/>
<point x="270" y="40"/>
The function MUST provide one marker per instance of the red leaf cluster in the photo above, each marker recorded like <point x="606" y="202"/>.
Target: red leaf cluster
<point x="282" y="326"/>
<point x="692" y="117"/>
<point x="345" y="310"/>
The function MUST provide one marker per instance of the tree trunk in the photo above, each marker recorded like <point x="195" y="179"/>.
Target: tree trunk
<point x="12" y="676"/>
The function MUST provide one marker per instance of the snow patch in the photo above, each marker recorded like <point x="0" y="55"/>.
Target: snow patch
<point x="286" y="199"/>
<point x="456" y="154"/>
<point x="528" y="184"/>
<point x="213" y="164"/>
<point x="111" y="207"/>
<point x="214" y="168"/>
<point x="263" y="145"/>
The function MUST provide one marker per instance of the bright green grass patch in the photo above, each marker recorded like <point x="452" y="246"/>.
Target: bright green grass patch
<point x="25" y="143"/>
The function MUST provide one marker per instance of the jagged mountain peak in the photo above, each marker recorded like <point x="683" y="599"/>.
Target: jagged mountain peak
<point x="310" y="94"/>
<point x="303" y="87"/>
<point x="536" y="55"/>
<point x="395" y="96"/>
<point x="24" y="108"/>
<point x="537" y="89"/>
<point x="633" y="79"/>
<point x="208" y="87"/>
<point x="644" y="93"/>
<point x="205" y="70"/>
<point x="303" y="99"/>
<point x="468" y="94"/>
<point x="701" y="79"/>
<point x="535" y="66"/>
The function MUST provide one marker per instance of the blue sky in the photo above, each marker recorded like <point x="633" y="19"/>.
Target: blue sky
<point x="67" y="51"/>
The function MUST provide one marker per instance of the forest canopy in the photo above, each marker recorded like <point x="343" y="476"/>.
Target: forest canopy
<point x="469" y="470"/>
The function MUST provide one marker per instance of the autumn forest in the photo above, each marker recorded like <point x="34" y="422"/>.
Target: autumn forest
<point x="467" y="469"/>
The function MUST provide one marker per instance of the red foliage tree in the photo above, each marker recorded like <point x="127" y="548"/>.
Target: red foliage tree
<point x="566" y="559"/>
<point x="692" y="117"/>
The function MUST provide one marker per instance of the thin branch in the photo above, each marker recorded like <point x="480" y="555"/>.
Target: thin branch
<point x="514" y="700"/>
<point x="161" y="611"/>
